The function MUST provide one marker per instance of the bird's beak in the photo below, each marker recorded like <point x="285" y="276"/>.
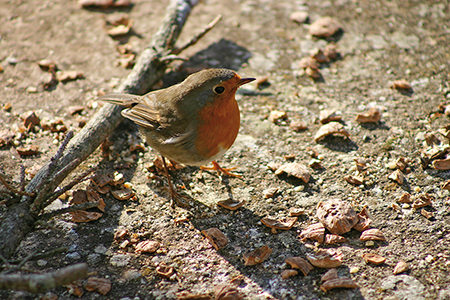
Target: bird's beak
<point x="243" y="81"/>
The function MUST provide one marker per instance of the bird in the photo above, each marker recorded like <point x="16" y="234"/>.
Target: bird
<point x="193" y="122"/>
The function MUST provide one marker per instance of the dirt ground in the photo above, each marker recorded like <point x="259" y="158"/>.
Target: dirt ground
<point x="382" y="41"/>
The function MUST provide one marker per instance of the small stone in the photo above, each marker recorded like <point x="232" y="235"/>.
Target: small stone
<point x="299" y="17"/>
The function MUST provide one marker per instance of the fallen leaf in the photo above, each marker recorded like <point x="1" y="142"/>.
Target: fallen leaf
<point x="283" y="224"/>
<point x="373" y="115"/>
<point x="373" y="234"/>
<point x="257" y="256"/>
<point x="325" y="259"/>
<point x="28" y="150"/>
<point x="295" y="169"/>
<point x="373" y="258"/>
<point x="101" y="285"/>
<point x="147" y="246"/>
<point x="401" y="84"/>
<point x="81" y="216"/>
<point x="364" y="220"/>
<point x="299" y="263"/>
<point x="216" y="237"/>
<point x="401" y="267"/>
<point x="314" y="232"/>
<point x="288" y="273"/>
<point x="343" y="282"/>
<point x="337" y="216"/>
<point x="325" y="27"/>
<point x="231" y="204"/>
<point x="331" y="128"/>
<point x="329" y="115"/>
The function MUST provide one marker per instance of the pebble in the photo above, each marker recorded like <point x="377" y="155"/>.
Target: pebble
<point x="120" y="260"/>
<point x="93" y="258"/>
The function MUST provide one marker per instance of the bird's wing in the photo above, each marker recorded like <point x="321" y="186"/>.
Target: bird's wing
<point x="152" y="112"/>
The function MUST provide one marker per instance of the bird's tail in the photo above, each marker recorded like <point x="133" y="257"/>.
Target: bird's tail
<point x="126" y="100"/>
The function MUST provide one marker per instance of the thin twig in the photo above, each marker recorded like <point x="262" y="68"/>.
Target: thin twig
<point x="82" y="206"/>
<point x="14" y="190"/>
<point x="42" y="255"/>
<point x="26" y="259"/>
<point x="74" y="182"/>
<point x="5" y="261"/>
<point x="198" y="36"/>
<point x="22" y="178"/>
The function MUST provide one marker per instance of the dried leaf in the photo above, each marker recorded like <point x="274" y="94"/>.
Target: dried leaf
<point x="373" y="258"/>
<point x="299" y="263"/>
<point x="372" y="235"/>
<point x="364" y="220"/>
<point x="329" y="115"/>
<point x="288" y="273"/>
<point x="283" y="224"/>
<point x="227" y="292"/>
<point x="401" y="84"/>
<point x="295" y="211"/>
<point x="69" y="75"/>
<point x="123" y="194"/>
<point x="422" y="201"/>
<point x="28" y="150"/>
<point x="295" y="169"/>
<point x="325" y="259"/>
<point x="147" y="246"/>
<point x="337" y="216"/>
<point x="401" y="267"/>
<point x="332" y="239"/>
<point x="373" y="115"/>
<point x="325" y="27"/>
<point x="314" y="232"/>
<point x="257" y="256"/>
<point x="163" y="270"/>
<point x="343" y="282"/>
<point x="427" y="214"/>
<point x="329" y="275"/>
<point x="397" y="176"/>
<point x="441" y="164"/>
<point x="101" y="285"/>
<point x="216" y="237"/>
<point x="331" y="128"/>
<point x="405" y="198"/>
<point x="356" y="180"/>
<point x="231" y="204"/>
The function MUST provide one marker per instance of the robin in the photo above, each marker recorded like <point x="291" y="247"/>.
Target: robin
<point x="194" y="122"/>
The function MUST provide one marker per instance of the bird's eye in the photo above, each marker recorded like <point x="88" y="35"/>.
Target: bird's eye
<point x="219" y="89"/>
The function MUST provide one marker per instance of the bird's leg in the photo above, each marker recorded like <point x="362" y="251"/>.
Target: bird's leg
<point x="219" y="169"/>
<point x="175" y="197"/>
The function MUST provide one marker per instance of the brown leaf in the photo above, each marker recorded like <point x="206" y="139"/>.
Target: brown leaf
<point x="364" y="220"/>
<point x="337" y="216"/>
<point x="216" y="237"/>
<point x="101" y="285"/>
<point x="325" y="259"/>
<point x="332" y="239"/>
<point x="288" y="273"/>
<point x="422" y="201"/>
<point x="121" y="233"/>
<point x="405" y="198"/>
<point x="441" y="164"/>
<point x="295" y="169"/>
<point x="325" y="27"/>
<point x="123" y="194"/>
<point x="331" y="128"/>
<point x="329" y="275"/>
<point x="373" y="115"/>
<point x="30" y="119"/>
<point x="343" y="282"/>
<point x="355" y="180"/>
<point x="372" y="235"/>
<point x="314" y="232"/>
<point x="329" y="115"/>
<point x="373" y="258"/>
<point x="227" y="292"/>
<point x="283" y="224"/>
<point x="231" y="204"/>
<point x="147" y="246"/>
<point x="401" y="267"/>
<point x="299" y="263"/>
<point x="397" y="176"/>
<point x="257" y="256"/>
<point x="401" y="84"/>
<point x="427" y="214"/>
<point x="69" y="75"/>
<point x="163" y="270"/>
<point x="28" y="150"/>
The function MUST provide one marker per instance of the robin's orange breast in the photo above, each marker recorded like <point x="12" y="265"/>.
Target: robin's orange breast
<point x="218" y="127"/>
